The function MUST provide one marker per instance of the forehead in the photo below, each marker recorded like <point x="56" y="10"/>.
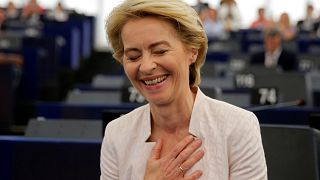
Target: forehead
<point x="149" y="20"/>
<point x="148" y="29"/>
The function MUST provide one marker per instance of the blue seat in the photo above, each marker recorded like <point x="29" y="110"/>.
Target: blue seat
<point x="309" y="45"/>
<point x="69" y="37"/>
<point x="40" y="67"/>
<point x="250" y="39"/>
<point x="292" y="152"/>
<point x="83" y="23"/>
<point x="286" y="115"/>
<point x="25" y="158"/>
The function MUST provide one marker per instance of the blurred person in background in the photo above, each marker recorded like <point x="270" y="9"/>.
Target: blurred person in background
<point x="261" y="22"/>
<point x="199" y="6"/>
<point x="212" y="24"/>
<point x="58" y="13"/>
<point x="31" y="15"/>
<point x="287" y="30"/>
<point x="32" y="11"/>
<point x="12" y="13"/>
<point x="308" y="22"/>
<point x="230" y="15"/>
<point x="273" y="55"/>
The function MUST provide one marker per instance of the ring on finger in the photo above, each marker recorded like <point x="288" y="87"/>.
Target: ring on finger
<point x="181" y="169"/>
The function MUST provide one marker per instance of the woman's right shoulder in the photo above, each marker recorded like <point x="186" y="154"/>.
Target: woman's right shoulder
<point x="128" y="121"/>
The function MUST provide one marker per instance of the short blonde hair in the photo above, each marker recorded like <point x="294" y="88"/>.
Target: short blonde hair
<point x="183" y="17"/>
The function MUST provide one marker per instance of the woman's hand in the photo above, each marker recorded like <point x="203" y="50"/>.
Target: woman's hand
<point x="174" y="165"/>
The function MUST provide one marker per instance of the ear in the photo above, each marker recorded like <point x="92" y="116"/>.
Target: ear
<point x="194" y="55"/>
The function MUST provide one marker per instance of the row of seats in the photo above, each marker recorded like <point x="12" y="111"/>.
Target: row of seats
<point x="251" y="40"/>
<point x="57" y="49"/>
<point x="107" y="97"/>
<point x="75" y="37"/>
<point x="234" y="54"/>
<point x="113" y="93"/>
<point x="220" y="63"/>
<point x="291" y="153"/>
<point x="106" y="89"/>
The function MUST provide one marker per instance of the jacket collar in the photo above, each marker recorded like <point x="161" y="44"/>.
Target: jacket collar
<point x="195" y="121"/>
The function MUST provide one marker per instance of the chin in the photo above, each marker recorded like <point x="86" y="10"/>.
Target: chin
<point x="161" y="100"/>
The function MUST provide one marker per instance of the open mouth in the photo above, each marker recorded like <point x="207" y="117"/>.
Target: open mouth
<point x="155" y="81"/>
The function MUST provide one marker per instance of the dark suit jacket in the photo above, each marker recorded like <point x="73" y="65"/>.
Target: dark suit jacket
<point x="287" y="61"/>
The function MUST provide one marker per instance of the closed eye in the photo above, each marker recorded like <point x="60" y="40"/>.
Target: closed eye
<point x="160" y="52"/>
<point x="132" y="54"/>
<point x="132" y="58"/>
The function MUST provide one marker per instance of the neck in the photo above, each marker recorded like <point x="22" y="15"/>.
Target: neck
<point x="174" y="117"/>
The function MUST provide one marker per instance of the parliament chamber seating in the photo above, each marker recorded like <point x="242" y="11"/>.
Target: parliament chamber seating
<point x="63" y="46"/>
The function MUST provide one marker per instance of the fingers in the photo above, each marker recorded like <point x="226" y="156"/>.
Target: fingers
<point x="187" y="158"/>
<point x="174" y="165"/>
<point x="181" y="145"/>
<point x="186" y="153"/>
<point x="156" y="150"/>
<point x="187" y="164"/>
<point x="153" y="168"/>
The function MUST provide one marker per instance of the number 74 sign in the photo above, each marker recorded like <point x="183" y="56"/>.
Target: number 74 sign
<point x="264" y="96"/>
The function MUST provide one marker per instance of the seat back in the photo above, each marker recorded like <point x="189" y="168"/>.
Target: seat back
<point x="291" y="152"/>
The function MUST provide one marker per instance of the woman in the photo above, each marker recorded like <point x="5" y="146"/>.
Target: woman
<point x="180" y="133"/>
<point x="230" y="15"/>
<point x="12" y="13"/>
<point x="288" y="31"/>
<point x="261" y="22"/>
<point x="32" y="8"/>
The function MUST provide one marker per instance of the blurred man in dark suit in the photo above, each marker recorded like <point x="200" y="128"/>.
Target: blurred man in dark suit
<point x="273" y="55"/>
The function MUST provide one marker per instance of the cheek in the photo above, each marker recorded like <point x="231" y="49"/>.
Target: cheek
<point x="130" y="70"/>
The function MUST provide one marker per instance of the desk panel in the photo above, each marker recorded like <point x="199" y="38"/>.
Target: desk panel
<point x="51" y="159"/>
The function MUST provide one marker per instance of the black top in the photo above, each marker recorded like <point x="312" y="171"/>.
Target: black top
<point x="287" y="61"/>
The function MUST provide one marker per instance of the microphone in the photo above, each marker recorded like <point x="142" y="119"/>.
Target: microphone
<point x="298" y="102"/>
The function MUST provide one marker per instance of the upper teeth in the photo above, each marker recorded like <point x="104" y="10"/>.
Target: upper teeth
<point x="155" y="81"/>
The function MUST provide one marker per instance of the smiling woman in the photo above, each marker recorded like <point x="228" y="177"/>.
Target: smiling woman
<point x="155" y="60"/>
<point x="181" y="133"/>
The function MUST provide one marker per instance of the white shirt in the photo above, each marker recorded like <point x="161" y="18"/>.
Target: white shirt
<point x="235" y="22"/>
<point x="231" y="141"/>
<point x="272" y="58"/>
<point x="214" y="29"/>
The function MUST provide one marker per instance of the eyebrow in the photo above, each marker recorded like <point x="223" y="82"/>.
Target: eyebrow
<point x="159" y="43"/>
<point x="150" y="46"/>
<point x="130" y="49"/>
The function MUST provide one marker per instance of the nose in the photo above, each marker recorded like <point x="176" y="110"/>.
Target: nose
<point x="147" y="65"/>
